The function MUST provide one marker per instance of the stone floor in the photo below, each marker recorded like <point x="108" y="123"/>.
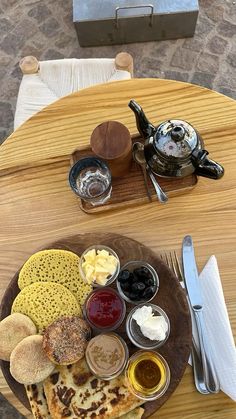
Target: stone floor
<point x="44" y="28"/>
<point x="7" y="411"/>
<point x="33" y="27"/>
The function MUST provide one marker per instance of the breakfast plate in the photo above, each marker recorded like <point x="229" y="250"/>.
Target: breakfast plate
<point x="170" y="297"/>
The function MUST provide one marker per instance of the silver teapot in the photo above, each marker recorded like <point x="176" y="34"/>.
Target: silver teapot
<point x="174" y="148"/>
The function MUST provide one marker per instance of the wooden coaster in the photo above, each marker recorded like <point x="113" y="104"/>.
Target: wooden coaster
<point x="130" y="190"/>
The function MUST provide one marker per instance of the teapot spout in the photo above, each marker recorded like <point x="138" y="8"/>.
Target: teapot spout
<point x="145" y="128"/>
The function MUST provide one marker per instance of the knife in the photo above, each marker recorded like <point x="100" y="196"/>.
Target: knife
<point x="194" y="293"/>
<point x="194" y="354"/>
<point x="197" y="362"/>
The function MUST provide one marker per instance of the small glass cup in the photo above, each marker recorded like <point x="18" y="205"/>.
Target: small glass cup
<point x="107" y="355"/>
<point x="90" y="179"/>
<point x="134" y="332"/>
<point x="130" y="266"/>
<point x="147" y="375"/>
<point x="111" y="278"/>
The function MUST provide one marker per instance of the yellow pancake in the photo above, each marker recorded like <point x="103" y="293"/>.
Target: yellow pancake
<point x="55" y="265"/>
<point x="45" y="302"/>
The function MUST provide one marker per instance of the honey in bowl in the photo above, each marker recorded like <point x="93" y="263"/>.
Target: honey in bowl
<point x="148" y="375"/>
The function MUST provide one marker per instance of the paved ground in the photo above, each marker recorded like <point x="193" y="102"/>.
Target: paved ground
<point x="7" y="411"/>
<point x="45" y="29"/>
<point x="33" y="27"/>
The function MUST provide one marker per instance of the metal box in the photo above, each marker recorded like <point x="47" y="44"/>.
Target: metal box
<point x="109" y="22"/>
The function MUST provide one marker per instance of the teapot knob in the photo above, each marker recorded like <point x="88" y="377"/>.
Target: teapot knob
<point x="178" y="133"/>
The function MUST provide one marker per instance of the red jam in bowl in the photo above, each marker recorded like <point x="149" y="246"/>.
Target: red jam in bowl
<point x="105" y="309"/>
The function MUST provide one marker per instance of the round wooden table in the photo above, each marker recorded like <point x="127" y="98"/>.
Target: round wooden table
<point x="38" y="207"/>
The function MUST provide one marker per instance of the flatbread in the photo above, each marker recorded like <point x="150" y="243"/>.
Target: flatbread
<point x="73" y="392"/>
<point x="39" y="406"/>
<point x="134" y="414"/>
<point x="38" y="401"/>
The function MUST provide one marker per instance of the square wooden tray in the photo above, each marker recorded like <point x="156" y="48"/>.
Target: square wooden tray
<point x="129" y="190"/>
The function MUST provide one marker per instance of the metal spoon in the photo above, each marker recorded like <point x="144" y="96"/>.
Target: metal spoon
<point x="136" y="157"/>
<point x="138" y="153"/>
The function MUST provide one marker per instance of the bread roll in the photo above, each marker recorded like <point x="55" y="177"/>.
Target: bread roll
<point x="28" y="362"/>
<point x="65" y="340"/>
<point x="13" y="329"/>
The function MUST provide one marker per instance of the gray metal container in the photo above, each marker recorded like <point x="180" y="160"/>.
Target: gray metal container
<point x="109" y="22"/>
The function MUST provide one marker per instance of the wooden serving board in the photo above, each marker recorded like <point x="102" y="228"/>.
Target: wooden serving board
<point x="170" y="297"/>
<point x="130" y="190"/>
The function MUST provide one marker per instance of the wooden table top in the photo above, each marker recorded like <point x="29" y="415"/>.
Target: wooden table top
<point x="38" y="207"/>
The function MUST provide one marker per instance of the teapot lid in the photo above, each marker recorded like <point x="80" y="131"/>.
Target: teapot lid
<point x="176" y="138"/>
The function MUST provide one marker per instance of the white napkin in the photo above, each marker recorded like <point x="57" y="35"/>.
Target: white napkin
<point x="218" y="327"/>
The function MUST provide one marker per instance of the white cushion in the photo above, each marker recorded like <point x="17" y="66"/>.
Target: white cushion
<point x="58" y="78"/>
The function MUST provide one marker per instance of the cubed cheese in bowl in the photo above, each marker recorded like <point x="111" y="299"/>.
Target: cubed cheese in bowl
<point x="99" y="265"/>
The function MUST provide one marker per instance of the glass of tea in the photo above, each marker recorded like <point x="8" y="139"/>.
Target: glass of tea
<point x="147" y="374"/>
<point x="90" y="179"/>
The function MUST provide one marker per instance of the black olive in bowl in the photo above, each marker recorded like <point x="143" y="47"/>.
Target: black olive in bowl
<point x="137" y="282"/>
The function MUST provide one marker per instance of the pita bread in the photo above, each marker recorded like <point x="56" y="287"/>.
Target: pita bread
<point x="74" y="392"/>
<point x="38" y="401"/>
